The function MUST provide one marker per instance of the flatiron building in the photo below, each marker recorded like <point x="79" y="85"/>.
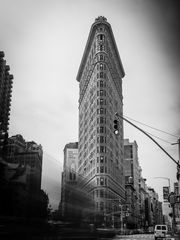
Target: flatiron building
<point x="100" y="151"/>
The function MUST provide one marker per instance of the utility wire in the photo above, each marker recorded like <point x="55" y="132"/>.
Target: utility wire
<point x="119" y="116"/>
<point x="152" y="127"/>
<point x="158" y="138"/>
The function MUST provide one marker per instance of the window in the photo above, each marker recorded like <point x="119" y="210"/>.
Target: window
<point x="101" y="149"/>
<point x="101" y="101"/>
<point x="102" y="120"/>
<point x="101" y="181"/>
<point x="101" y="92"/>
<point x="101" y="159"/>
<point x="101" y="58"/>
<point x="101" y="129"/>
<point x="102" y="139"/>
<point x="101" y="206"/>
<point x="97" y="193"/>
<point x="102" y="169"/>
<point x="97" y="181"/>
<point x="105" y="181"/>
<point x="101" y="84"/>
<point x="101" y="193"/>
<point x="102" y="110"/>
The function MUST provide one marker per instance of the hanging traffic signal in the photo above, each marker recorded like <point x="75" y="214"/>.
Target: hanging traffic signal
<point x="116" y="127"/>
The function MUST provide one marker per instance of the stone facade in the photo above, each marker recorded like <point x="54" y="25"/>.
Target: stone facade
<point x="100" y="150"/>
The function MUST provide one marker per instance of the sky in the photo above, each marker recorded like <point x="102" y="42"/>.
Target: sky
<point x="43" y="42"/>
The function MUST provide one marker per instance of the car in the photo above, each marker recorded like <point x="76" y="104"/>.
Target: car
<point x="160" y="231"/>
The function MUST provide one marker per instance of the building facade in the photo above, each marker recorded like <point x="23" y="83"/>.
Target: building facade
<point x="100" y="158"/>
<point x="28" y="156"/>
<point x="132" y="176"/>
<point x="156" y="213"/>
<point x="143" y="195"/>
<point x="69" y="178"/>
<point x="6" y="81"/>
<point x="177" y="207"/>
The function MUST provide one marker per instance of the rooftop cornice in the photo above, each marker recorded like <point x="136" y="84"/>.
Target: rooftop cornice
<point x="99" y="20"/>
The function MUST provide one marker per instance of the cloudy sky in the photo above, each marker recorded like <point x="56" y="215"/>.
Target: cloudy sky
<point x="44" y="40"/>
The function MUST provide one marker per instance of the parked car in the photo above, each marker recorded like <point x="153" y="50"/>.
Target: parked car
<point x="160" y="231"/>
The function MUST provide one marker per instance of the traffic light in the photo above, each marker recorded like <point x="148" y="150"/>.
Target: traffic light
<point x="116" y="127"/>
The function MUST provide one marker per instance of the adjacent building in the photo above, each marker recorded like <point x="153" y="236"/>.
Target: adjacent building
<point x="6" y="81"/>
<point x="177" y="206"/>
<point x="142" y="200"/>
<point x="69" y="178"/>
<point x="142" y="207"/>
<point x="132" y="178"/>
<point x="156" y="215"/>
<point x="28" y="157"/>
<point x="21" y="170"/>
<point x="100" y="157"/>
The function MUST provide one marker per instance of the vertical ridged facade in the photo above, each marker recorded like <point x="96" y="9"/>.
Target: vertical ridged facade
<point x="5" y="98"/>
<point x="100" y="159"/>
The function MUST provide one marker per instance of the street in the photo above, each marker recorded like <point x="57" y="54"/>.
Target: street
<point x="140" y="237"/>
<point x="135" y="237"/>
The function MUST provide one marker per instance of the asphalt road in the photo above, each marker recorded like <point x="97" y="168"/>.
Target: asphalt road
<point x="135" y="237"/>
<point x="139" y="237"/>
